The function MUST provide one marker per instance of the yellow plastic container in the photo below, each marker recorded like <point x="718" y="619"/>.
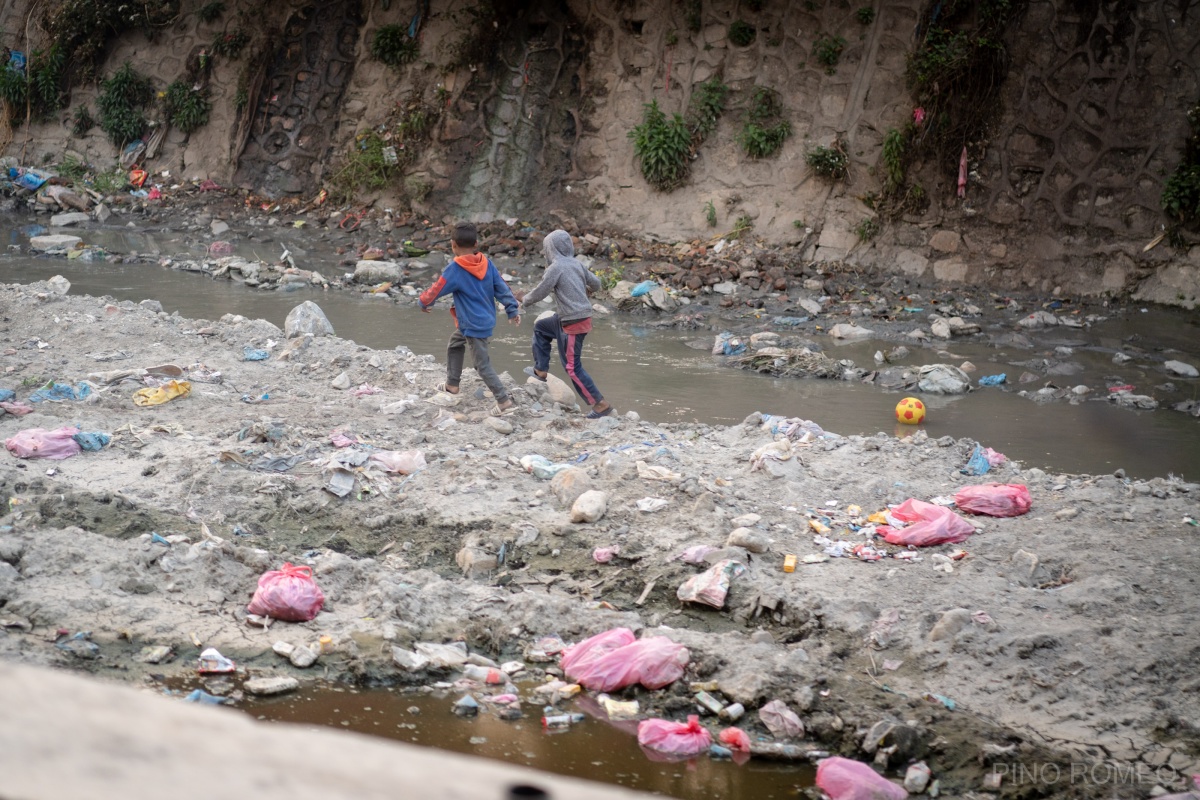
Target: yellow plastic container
<point x="789" y="563"/>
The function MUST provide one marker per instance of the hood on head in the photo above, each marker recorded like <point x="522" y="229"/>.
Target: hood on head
<point x="557" y="244"/>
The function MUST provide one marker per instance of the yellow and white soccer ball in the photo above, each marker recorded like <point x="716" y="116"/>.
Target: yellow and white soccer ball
<point x="910" y="411"/>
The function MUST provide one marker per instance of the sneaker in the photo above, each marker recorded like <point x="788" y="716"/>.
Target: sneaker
<point x="531" y="372"/>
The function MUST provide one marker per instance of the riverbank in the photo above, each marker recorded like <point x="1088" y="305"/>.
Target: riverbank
<point x="1064" y="632"/>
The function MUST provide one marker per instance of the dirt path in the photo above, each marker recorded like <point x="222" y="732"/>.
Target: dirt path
<point x="1065" y="636"/>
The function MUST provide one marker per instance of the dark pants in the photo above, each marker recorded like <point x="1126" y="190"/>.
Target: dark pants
<point x="570" y="352"/>
<point x="456" y="350"/>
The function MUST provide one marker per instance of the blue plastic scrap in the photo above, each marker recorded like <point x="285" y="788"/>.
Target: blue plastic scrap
<point x="252" y="354"/>
<point x="6" y="395"/>
<point x="204" y="698"/>
<point x="92" y="441"/>
<point x="731" y="346"/>
<point x="993" y="380"/>
<point x="977" y="464"/>
<point x="645" y="287"/>
<point x="56" y="392"/>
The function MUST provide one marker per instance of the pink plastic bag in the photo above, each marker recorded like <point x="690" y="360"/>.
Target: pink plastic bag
<point x="674" y="738"/>
<point x="780" y="720"/>
<point x="994" y="499"/>
<point x="653" y="662"/>
<point x="711" y="586"/>
<point x="17" y="408"/>
<point x="603" y="555"/>
<point x="40" y="443"/>
<point x="931" y="525"/>
<point x="289" y="593"/>
<point x="579" y="659"/>
<point x="846" y="779"/>
<point x="735" y="739"/>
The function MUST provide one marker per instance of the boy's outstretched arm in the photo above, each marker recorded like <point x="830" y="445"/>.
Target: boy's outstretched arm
<point x="543" y="289"/>
<point x="593" y="282"/>
<point x="503" y="293"/>
<point x="430" y="295"/>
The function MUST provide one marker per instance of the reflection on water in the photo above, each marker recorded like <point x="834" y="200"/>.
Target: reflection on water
<point x="655" y="373"/>
<point x="593" y="749"/>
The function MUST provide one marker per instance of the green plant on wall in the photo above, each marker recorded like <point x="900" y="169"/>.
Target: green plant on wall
<point x="741" y="33"/>
<point x="764" y="130"/>
<point x="662" y="146"/>
<point x="865" y="15"/>
<point x="82" y="122"/>
<point x="828" y="51"/>
<point x="230" y="44"/>
<point x="84" y="29"/>
<point x="36" y="90"/>
<point x="692" y="16"/>
<point x="831" y="163"/>
<point x="894" y="145"/>
<point x="1181" y="192"/>
<point x="867" y="229"/>
<point x="710" y="214"/>
<point x="186" y="107"/>
<point x="393" y="46"/>
<point x="121" y="102"/>
<point x="706" y="106"/>
<point x="211" y="12"/>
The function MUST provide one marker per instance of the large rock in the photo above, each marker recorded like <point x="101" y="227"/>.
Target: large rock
<point x="845" y="330"/>
<point x="885" y="735"/>
<point x="72" y="218"/>
<point x="265" y="687"/>
<point x="590" y="506"/>
<point x="569" y="484"/>
<point x="54" y="243"/>
<point x="559" y="391"/>
<point x="943" y="379"/>
<point x="306" y="318"/>
<point x="1181" y="369"/>
<point x="951" y="624"/>
<point x="377" y="272"/>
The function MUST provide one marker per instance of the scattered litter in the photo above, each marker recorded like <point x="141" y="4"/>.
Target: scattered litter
<point x="645" y="287"/>
<point x="781" y="721"/>
<point x="711" y="586"/>
<point x="931" y="525"/>
<point x="615" y="659"/>
<point x="938" y="698"/>
<point x="993" y="380"/>
<point x="160" y="394"/>
<point x="994" y="499"/>
<point x="366" y="390"/>
<point x="649" y="505"/>
<point x="405" y="462"/>
<point x="727" y="344"/>
<point x="54" y="392"/>
<point x="846" y="779"/>
<point x="211" y="661"/>
<point x="289" y="593"/>
<point x="674" y="738"/>
<point x="54" y="444"/>
<point x="204" y="698"/>
<point x="92" y="441"/>
<point x="655" y="472"/>
<point x="603" y="555"/>
<point x="251" y="354"/>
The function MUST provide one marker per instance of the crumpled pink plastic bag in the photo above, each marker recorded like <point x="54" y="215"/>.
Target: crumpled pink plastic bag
<point x="17" y="408"/>
<point x="41" y="443"/>
<point x="611" y="661"/>
<point x="674" y="738"/>
<point x="994" y="499"/>
<point x="289" y="593"/>
<point x="780" y="720"/>
<point x="846" y="779"/>
<point x="931" y="525"/>
<point x="735" y="739"/>
<point x="711" y="586"/>
<point x="405" y="462"/>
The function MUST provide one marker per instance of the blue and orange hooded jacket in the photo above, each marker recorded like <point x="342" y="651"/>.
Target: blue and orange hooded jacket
<point x="476" y="285"/>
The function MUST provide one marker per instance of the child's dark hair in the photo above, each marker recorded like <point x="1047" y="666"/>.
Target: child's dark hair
<point x="465" y="234"/>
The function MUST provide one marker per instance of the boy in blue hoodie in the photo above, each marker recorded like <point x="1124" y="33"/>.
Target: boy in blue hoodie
<point x="476" y="285"/>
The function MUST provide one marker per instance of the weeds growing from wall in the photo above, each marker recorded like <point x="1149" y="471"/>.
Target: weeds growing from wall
<point x="1181" y="192"/>
<point x="662" y="146"/>
<point x="186" y="107"/>
<point x="393" y="46"/>
<point x="121" y="102"/>
<point x="828" y="51"/>
<point x="211" y="12"/>
<point x="37" y="90"/>
<point x="83" y="121"/>
<point x="83" y="29"/>
<point x="230" y="44"/>
<point x="831" y="163"/>
<point x="764" y="130"/>
<point x="705" y="107"/>
<point x="741" y="33"/>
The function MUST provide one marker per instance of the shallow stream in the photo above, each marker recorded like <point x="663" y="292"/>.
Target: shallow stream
<point x="654" y="372"/>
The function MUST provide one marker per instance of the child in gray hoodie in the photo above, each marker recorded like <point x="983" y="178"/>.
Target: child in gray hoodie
<point x="570" y="281"/>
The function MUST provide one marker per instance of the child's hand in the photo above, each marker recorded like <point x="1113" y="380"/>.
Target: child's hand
<point x="515" y="320"/>
<point x="424" y="309"/>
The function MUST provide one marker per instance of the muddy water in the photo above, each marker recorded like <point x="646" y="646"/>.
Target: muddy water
<point x="656" y="373"/>
<point x="593" y="749"/>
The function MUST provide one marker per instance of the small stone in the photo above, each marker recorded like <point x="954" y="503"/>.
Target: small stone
<point x="950" y="625"/>
<point x="590" y="507"/>
<point x="408" y="661"/>
<point x="282" y="648"/>
<point x="342" y="382"/>
<point x="302" y="657"/>
<point x="499" y="425"/>
<point x="1025" y="565"/>
<point x="101" y="213"/>
<point x="569" y="484"/>
<point x="746" y="521"/>
<point x="59" y="285"/>
<point x="1066" y="513"/>
<point x="747" y="539"/>
<point x="72" y="218"/>
<point x="1121" y="358"/>
<point x="307" y="318"/>
<point x="266" y="687"/>
<point x="54" y="243"/>
<point x="218" y="227"/>
<point x="152" y="305"/>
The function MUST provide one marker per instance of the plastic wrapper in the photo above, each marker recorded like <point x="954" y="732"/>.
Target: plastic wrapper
<point x="405" y="462"/>
<point x="994" y="499"/>
<point x="711" y="586"/>
<point x="614" y="659"/>
<point x="930" y="525"/>
<point x="288" y="593"/>
<point x="780" y="720"/>
<point x="735" y="739"/>
<point x="54" y="444"/>
<point x="846" y="779"/>
<point x="674" y="738"/>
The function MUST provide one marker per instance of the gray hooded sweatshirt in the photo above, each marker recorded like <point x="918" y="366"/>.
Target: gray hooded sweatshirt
<point x="566" y="277"/>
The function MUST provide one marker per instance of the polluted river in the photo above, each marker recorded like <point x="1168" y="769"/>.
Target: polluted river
<point x="881" y="652"/>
